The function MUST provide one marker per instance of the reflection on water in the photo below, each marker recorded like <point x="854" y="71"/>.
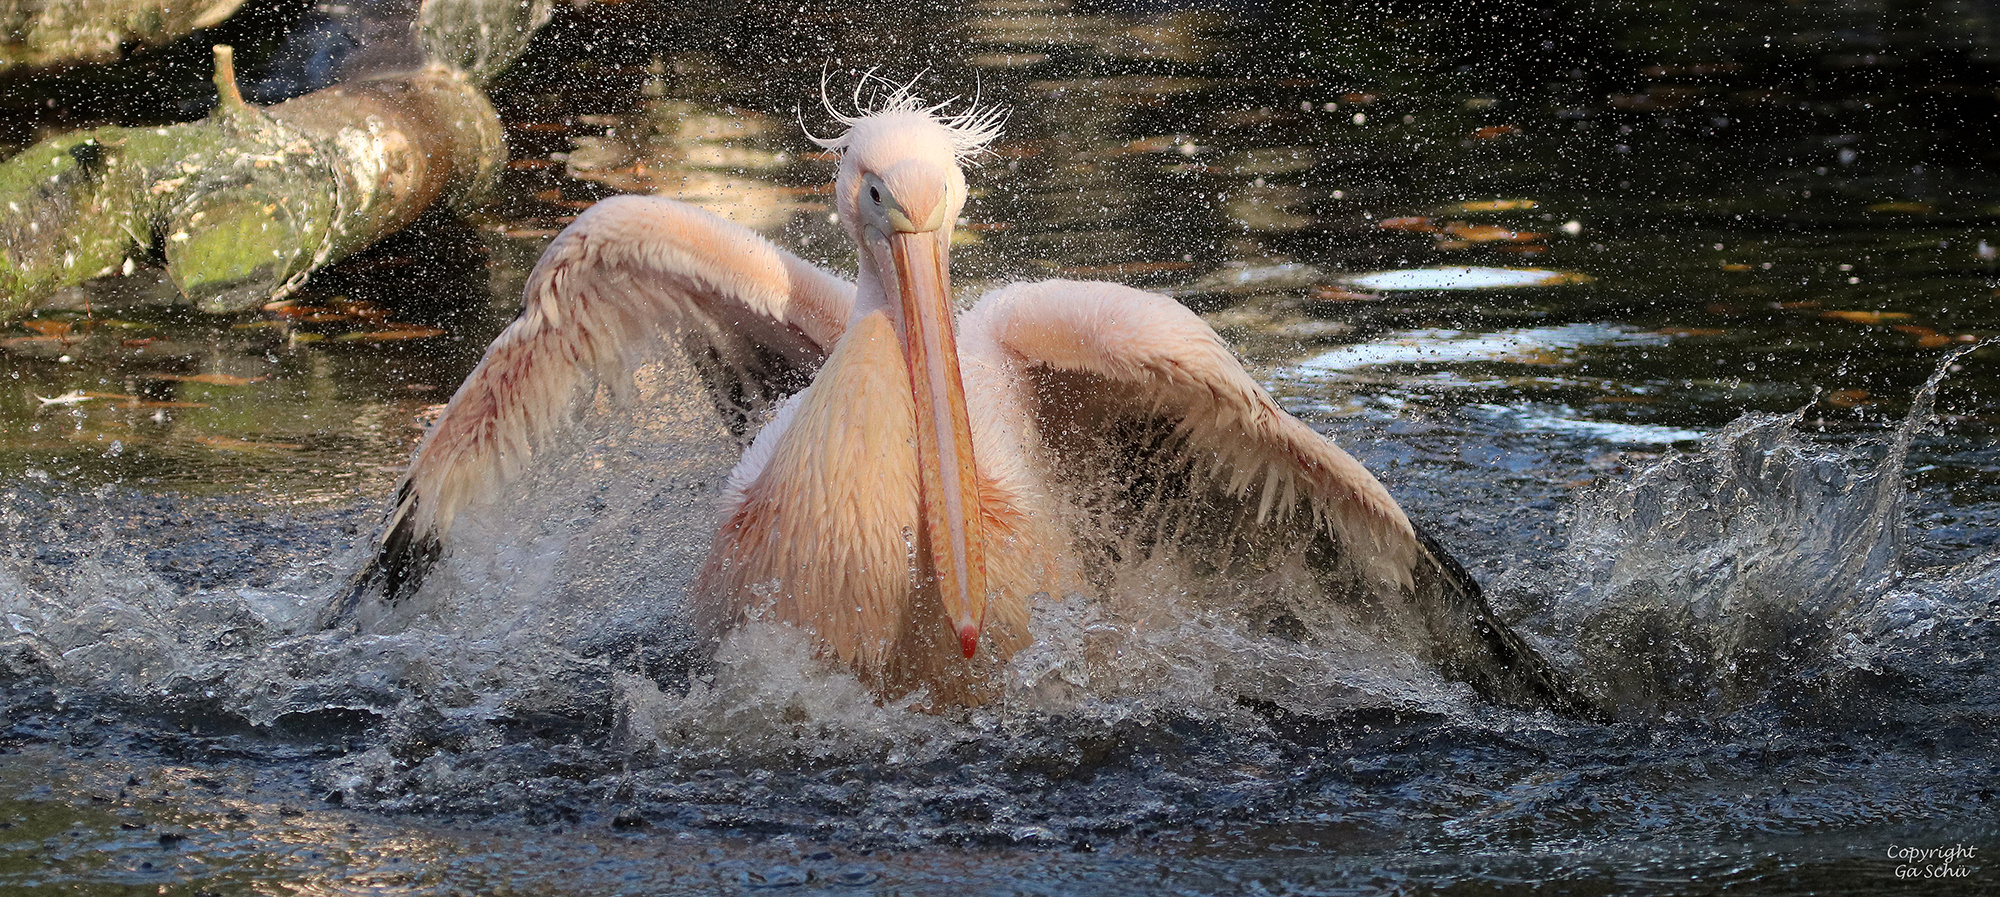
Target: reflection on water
<point x="1787" y="210"/>
<point x="1537" y="345"/>
<point x="1463" y="278"/>
<point x="695" y="155"/>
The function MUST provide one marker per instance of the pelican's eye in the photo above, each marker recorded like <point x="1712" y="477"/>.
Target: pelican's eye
<point x="875" y="195"/>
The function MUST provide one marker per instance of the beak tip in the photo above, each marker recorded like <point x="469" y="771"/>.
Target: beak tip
<point x="968" y="639"/>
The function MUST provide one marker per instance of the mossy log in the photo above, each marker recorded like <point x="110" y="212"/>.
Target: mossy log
<point x="245" y="204"/>
<point x="480" y="37"/>
<point x="49" y="33"/>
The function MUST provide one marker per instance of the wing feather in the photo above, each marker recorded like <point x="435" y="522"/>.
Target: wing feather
<point x="628" y="273"/>
<point x="1177" y="440"/>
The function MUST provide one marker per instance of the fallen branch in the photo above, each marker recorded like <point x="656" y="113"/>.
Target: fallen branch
<point x="49" y="33"/>
<point x="246" y="203"/>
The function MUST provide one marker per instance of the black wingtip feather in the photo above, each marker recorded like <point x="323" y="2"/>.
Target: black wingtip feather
<point x="1497" y="663"/>
<point x="406" y="555"/>
<point x="396" y="570"/>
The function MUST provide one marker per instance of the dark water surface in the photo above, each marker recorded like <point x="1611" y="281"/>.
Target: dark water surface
<point x="1694" y="467"/>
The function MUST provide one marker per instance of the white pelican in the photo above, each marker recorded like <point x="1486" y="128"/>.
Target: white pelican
<point x="908" y="506"/>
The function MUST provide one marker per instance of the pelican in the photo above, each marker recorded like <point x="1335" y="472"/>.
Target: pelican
<point x="941" y="471"/>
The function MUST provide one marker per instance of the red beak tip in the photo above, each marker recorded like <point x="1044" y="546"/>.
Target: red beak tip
<point x="968" y="640"/>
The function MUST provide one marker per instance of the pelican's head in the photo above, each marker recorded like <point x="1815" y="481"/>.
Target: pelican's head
<point x="899" y="174"/>
<point x="899" y="193"/>
<point x="899" y="164"/>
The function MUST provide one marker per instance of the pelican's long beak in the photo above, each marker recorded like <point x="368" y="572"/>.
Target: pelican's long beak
<point x="948" y="481"/>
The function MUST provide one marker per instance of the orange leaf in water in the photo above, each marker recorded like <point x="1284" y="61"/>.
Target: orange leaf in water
<point x="1489" y="233"/>
<point x="396" y="333"/>
<point x="1412" y="224"/>
<point x="1865" y="317"/>
<point x="1337" y="294"/>
<point x="48" y="328"/>
<point x="1495" y="205"/>
<point x="210" y="379"/>
<point x="364" y="310"/>
<point x="1928" y="338"/>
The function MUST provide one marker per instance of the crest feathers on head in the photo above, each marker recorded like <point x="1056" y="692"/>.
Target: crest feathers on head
<point x="970" y="130"/>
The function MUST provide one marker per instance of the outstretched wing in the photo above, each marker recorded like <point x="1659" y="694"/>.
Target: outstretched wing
<point x="1169" y="444"/>
<point x="629" y="272"/>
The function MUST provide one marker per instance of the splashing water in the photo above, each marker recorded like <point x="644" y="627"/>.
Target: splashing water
<point x="1752" y="582"/>
<point x="1698" y="580"/>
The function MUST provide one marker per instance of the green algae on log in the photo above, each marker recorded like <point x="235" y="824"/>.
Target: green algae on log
<point x="49" y="33"/>
<point x="480" y="37"/>
<point x="248" y="202"/>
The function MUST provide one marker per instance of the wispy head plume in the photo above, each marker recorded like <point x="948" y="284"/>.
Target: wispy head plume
<point x="970" y="130"/>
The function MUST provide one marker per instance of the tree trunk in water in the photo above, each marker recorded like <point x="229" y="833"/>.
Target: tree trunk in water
<point x="44" y="33"/>
<point x="480" y="37"/>
<point x="248" y="202"/>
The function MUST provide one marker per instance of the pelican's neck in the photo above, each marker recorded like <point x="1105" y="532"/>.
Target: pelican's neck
<point x="871" y="285"/>
<point x="871" y="297"/>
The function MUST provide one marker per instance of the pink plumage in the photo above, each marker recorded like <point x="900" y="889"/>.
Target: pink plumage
<point x="936" y="479"/>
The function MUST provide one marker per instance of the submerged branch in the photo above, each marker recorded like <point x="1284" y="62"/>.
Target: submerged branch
<point x="480" y="37"/>
<point x="46" y="33"/>
<point x="245" y="204"/>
